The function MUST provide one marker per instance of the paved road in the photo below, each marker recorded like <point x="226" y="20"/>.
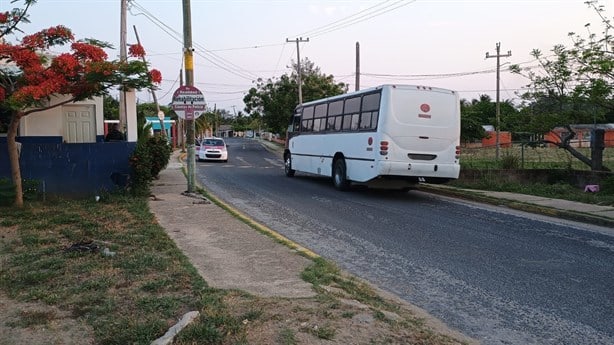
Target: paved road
<point x="501" y="276"/>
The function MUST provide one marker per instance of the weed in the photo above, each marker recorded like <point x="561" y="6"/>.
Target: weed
<point x="33" y="318"/>
<point x="325" y="332"/>
<point x="348" y="314"/>
<point x="287" y="337"/>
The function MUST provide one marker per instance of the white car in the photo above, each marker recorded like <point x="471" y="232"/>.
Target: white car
<point x="213" y="149"/>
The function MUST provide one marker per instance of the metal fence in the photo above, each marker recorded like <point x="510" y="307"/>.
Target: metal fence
<point x="527" y="155"/>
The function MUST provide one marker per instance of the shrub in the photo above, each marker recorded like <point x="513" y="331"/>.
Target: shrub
<point x="160" y="153"/>
<point x="510" y="161"/>
<point x="140" y="162"/>
<point x="607" y="185"/>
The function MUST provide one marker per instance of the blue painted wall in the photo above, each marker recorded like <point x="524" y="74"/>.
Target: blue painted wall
<point x="74" y="170"/>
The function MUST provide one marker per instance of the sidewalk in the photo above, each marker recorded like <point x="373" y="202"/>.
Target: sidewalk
<point x="228" y="253"/>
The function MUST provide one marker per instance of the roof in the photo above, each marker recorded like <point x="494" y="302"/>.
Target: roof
<point x="155" y="122"/>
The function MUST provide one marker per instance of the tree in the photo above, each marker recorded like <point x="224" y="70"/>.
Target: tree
<point x="575" y="86"/>
<point x="111" y="107"/>
<point x="34" y="75"/>
<point x="471" y="123"/>
<point x="274" y="99"/>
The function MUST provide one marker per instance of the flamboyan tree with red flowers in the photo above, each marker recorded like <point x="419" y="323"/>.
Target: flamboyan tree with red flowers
<point x="30" y="75"/>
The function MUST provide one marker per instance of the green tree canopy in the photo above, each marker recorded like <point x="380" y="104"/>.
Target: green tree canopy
<point x="274" y="99"/>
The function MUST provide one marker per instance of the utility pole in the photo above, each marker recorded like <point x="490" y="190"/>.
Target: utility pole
<point x="298" y="66"/>
<point x="153" y="93"/>
<point x="123" y="56"/>
<point x="357" y="86"/>
<point x="497" y="105"/>
<point x="189" y="81"/>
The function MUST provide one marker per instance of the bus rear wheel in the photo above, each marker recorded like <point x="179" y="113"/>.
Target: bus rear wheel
<point x="340" y="175"/>
<point x="288" y="165"/>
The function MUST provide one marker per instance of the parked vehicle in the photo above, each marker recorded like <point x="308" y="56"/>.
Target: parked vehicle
<point x="213" y="149"/>
<point x="196" y="147"/>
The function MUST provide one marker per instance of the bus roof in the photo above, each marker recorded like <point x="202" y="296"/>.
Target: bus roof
<point x="371" y="89"/>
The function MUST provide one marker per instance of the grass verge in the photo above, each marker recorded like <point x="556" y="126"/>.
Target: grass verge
<point x="54" y="253"/>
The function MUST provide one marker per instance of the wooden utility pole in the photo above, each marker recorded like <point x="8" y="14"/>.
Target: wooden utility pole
<point x="153" y="92"/>
<point x="357" y="86"/>
<point x="123" y="56"/>
<point x="188" y="56"/>
<point x="497" y="105"/>
<point x="298" y="66"/>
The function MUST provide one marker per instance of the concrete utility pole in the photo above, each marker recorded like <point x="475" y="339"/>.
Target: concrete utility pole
<point x="357" y="86"/>
<point x="298" y="66"/>
<point x="188" y="52"/>
<point x="497" y="105"/>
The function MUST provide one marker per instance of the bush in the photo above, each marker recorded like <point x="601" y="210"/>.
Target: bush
<point x="510" y="161"/>
<point x="160" y="153"/>
<point x="140" y="161"/>
<point x="607" y="185"/>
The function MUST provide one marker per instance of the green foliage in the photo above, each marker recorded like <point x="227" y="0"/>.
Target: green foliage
<point x="31" y="191"/>
<point x="607" y="186"/>
<point x="141" y="164"/>
<point x="574" y="84"/>
<point x="275" y="99"/>
<point x="510" y="161"/>
<point x="160" y="153"/>
<point x="111" y="108"/>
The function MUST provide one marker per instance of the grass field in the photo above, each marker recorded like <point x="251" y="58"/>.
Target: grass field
<point x="527" y="157"/>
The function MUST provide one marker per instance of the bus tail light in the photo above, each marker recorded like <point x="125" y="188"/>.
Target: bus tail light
<point x="458" y="152"/>
<point x="383" y="148"/>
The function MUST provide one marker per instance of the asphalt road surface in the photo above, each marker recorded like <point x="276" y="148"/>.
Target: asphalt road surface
<point x="498" y="275"/>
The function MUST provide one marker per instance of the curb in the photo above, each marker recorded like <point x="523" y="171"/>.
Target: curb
<point x="248" y="220"/>
<point x="517" y="205"/>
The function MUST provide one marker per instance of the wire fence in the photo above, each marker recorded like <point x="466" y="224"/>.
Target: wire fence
<point x="526" y="155"/>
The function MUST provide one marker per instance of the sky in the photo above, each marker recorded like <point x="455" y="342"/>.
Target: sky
<point x="439" y="43"/>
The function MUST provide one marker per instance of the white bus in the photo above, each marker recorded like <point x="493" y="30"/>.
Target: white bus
<point x="390" y="136"/>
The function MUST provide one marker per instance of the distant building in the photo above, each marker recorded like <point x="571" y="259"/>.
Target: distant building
<point x="583" y="134"/>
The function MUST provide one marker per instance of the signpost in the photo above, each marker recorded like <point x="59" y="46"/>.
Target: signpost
<point x="188" y="102"/>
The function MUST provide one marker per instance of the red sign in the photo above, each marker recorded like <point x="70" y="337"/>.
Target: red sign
<point x="188" y="102"/>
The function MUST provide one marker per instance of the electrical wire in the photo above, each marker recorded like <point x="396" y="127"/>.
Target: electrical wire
<point x="202" y="52"/>
<point x="361" y="16"/>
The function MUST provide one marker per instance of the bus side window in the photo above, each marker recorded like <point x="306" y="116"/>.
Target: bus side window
<point x="350" y="111"/>
<point x="335" y="109"/>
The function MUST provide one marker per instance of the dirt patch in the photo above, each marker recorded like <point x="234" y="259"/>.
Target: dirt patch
<point x="328" y="319"/>
<point x="39" y="324"/>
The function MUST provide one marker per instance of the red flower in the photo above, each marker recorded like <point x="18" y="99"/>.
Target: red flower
<point x="155" y="76"/>
<point x="84" y="51"/>
<point x="136" y="50"/>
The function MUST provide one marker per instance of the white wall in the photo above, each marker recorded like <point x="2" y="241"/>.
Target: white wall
<point x="51" y="122"/>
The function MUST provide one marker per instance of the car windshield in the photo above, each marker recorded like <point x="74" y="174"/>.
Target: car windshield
<point x="214" y="142"/>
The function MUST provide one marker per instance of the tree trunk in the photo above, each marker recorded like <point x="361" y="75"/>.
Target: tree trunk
<point x="14" y="157"/>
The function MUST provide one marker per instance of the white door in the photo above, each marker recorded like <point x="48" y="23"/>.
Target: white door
<point x="79" y="124"/>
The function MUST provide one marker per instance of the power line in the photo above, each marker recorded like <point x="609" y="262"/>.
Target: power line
<point x="368" y="13"/>
<point x="211" y="57"/>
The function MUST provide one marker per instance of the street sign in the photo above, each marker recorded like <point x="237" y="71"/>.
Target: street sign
<point x="188" y="102"/>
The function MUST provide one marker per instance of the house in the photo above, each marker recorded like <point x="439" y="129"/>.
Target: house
<point x="63" y="149"/>
<point x="583" y="134"/>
